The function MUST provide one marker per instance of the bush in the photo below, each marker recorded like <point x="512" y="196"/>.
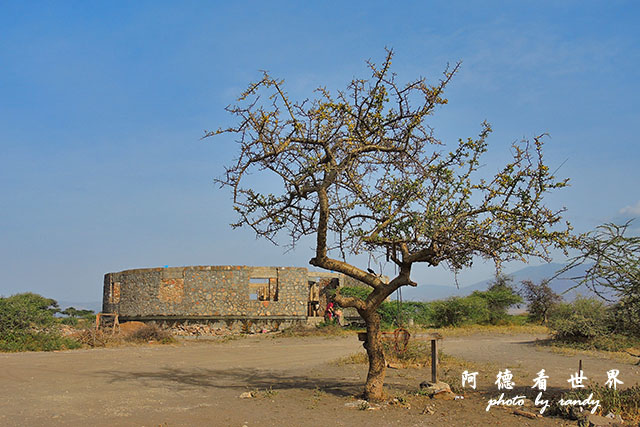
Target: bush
<point x="588" y="323"/>
<point x="150" y="333"/>
<point x="456" y="311"/>
<point x="27" y="323"/>
<point x="580" y="321"/>
<point x="70" y="321"/>
<point x="420" y="312"/>
<point x="625" y="316"/>
<point x="74" y="313"/>
<point x="499" y="297"/>
<point x="361" y="292"/>
<point x="390" y="311"/>
<point x="37" y="341"/>
<point x="25" y="311"/>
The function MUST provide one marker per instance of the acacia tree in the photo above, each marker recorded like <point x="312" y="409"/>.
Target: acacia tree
<point x="612" y="259"/>
<point x="499" y="296"/>
<point x="362" y="172"/>
<point x="541" y="299"/>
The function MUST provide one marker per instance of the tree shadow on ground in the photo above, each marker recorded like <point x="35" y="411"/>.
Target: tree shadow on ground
<point x="240" y="379"/>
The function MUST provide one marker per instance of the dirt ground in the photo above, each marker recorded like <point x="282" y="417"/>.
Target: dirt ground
<point x="295" y="382"/>
<point x="524" y="356"/>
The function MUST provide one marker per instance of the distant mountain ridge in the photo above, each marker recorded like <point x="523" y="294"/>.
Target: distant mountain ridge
<point x="430" y="292"/>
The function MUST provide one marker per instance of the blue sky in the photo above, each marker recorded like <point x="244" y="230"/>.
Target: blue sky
<point x="102" y="106"/>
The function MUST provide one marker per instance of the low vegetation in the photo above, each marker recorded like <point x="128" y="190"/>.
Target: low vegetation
<point x="585" y="323"/>
<point x="28" y="323"/>
<point x="625" y="403"/>
<point x="150" y="333"/>
<point x="481" y="307"/>
<point x="31" y="322"/>
<point x="590" y="324"/>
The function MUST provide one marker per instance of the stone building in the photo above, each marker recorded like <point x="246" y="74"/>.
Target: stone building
<point x="234" y="297"/>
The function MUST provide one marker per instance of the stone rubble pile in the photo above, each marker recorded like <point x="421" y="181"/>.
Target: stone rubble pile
<point x="199" y="329"/>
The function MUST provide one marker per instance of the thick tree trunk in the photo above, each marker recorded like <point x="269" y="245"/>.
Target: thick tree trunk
<point x="373" y="389"/>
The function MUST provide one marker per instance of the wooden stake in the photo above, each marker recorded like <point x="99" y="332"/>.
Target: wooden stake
<point x="434" y="361"/>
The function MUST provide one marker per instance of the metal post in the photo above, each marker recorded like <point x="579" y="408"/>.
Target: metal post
<point x="434" y="361"/>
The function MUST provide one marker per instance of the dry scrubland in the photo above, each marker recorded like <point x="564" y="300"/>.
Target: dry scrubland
<point x="292" y="380"/>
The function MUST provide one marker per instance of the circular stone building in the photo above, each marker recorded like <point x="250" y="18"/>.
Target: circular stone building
<point x="233" y="296"/>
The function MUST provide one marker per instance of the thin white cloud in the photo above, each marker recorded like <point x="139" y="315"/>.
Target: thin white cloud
<point x="631" y="210"/>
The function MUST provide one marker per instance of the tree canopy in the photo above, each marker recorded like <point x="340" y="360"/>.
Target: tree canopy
<point x="362" y="171"/>
<point x="612" y="260"/>
<point x="541" y="298"/>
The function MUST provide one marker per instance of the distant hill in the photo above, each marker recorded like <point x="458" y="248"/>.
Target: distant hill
<point x="426" y="292"/>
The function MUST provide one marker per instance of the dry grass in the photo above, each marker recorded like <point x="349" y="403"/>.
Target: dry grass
<point x="148" y="334"/>
<point x="466" y="330"/>
<point x="625" y="402"/>
<point x="418" y="355"/>
<point x="560" y="348"/>
<point x="321" y="331"/>
<point x="357" y="358"/>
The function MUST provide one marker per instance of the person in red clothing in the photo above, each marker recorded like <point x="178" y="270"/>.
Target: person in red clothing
<point x="329" y="313"/>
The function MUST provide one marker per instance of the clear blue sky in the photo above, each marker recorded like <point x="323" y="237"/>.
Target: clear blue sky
<point x="102" y="106"/>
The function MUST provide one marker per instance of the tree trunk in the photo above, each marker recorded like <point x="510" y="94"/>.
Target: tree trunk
<point x="373" y="389"/>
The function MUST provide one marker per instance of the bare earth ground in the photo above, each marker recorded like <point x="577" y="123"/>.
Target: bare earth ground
<point x="522" y="355"/>
<point x="296" y="383"/>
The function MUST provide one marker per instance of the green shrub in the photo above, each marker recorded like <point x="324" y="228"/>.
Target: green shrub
<point x="456" y="311"/>
<point x="37" y="341"/>
<point x="588" y="323"/>
<point x="420" y="312"/>
<point x="499" y="297"/>
<point x="28" y="310"/>
<point x="625" y="316"/>
<point x="580" y="321"/>
<point x="74" y="313"/>
<point x="27" y="323"/>
<point x="70" y="321"/>
<point x="390" y="311"/>
<point x="361" y="292"/>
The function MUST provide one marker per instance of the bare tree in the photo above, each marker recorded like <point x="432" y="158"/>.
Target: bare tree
<point x="362" y="171"/>
<point x="541" y="299"/>
<point x="612" y="260"/>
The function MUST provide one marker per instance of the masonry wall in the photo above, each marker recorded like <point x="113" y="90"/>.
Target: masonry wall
<point x="203" y="292"/>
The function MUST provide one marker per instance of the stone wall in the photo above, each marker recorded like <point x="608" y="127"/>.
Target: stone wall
<point x="207" y="292"/>
<point x="233" y="298"/>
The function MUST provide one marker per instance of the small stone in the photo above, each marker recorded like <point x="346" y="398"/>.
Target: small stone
<point x="615" y="417"/>
<point x="356" y="404"/>
<point x="528" y="403"/>
<point x="438" y="390"/>
<point x="427" y="410"/>
<point x="593" y="420"/>
<point x="444" y="395"/>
